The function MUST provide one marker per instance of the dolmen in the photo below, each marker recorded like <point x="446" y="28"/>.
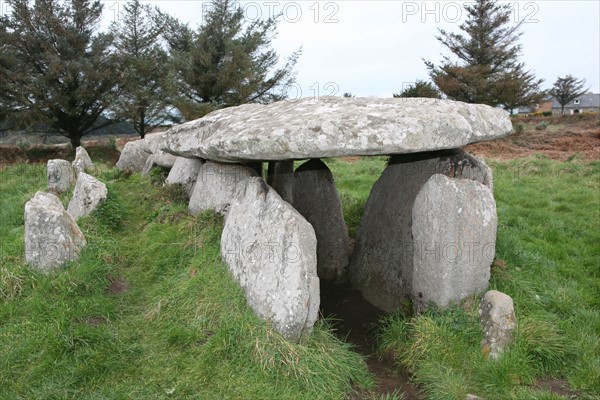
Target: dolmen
<point x="428" y="231"/>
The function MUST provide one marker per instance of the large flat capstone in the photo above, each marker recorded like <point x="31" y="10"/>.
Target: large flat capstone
<point x="271" y="251"/>
<point x="335" y="127"/>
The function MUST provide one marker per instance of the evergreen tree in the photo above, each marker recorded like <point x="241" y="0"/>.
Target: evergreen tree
<point x="227" y="62"/>
<point x="61" y="71"/>
<point x="146" y="90"/>
<point x="567" y="89"/>
<point x="420" y="89"/>
<point x="487" y="70"/>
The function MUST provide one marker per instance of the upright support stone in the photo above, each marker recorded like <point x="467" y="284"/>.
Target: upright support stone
<point x="215" y="186"/>
<point x="498" y="320"/>
<point x="270" y="250"/>
<point x="51" y="235"/>
<point x="281" y="178"/>
<point x="317" y="199"/>
<point x="185" y="172"/>
<point x="454" y="238"/>
<point x="133" y="157"/>
<point x="381" y="266"/>
<point x="60" y="176"/>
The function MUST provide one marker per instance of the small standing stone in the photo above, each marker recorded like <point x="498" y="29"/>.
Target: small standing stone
<point x="82" y="154"/>
<point x="497" y="317"/>
<point x="51" y="235"/>
<point x="89" y="193"/>
<point x="133" y="156"/>
<point x="60" y="176"/>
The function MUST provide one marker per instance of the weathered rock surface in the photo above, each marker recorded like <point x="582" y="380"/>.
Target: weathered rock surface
<point x="60" y="176"/>
<point x="216" y="186"/>
<point x="185" y="172"/>
<point x="334" y="127"/>
<point x="271" y="251"/>
<point x="497" y="317"/>
<point x="89" y="193"/>
<point x="317" y="199"/>
<point x="51" y="235"/>
<point x="82" y="154"/>
<point x="381" y="265"/>
<point x="133" y="157"/>
<point x="454" y="235"/>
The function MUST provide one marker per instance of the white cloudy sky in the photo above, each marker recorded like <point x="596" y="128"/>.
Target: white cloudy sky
<point x="374" y="48"/>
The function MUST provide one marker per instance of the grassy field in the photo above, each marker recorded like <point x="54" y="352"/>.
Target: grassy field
<point x="151" y="312"/>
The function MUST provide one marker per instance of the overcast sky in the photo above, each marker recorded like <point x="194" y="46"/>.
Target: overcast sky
<point x="375" y="48"/>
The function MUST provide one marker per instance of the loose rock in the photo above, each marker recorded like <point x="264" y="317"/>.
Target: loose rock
<point x="89" y="193"/>
<point x="60" y="176"/>
<point x="497" y="317"/>
<point x="216" y="185"/>
<point x="270" y="250"/>
<point x="51" y="235"/>
<point x="317" y="199"/>
<point x="454" y="234"/>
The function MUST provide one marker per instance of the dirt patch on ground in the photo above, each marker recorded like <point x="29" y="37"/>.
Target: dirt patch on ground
<point x="117" y="286"/>
<point x="559" y="138"/>
<point x="557" y="386"/>
<point x="356" y="321"/>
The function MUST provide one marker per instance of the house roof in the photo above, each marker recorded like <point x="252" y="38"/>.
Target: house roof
<point x="587" y="100"/>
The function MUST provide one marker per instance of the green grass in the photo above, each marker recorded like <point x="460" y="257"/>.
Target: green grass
<point x="182" y="328"/>
<point x="548" y="261"/>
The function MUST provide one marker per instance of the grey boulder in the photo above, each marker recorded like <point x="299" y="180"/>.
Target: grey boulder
<point x="185" y="172"/>
<point x="454" y="236"/>
<point x="60" y="176"/>
<point x="216" y="186"/>
<point x="317" y="199"/>
<point x="89" y="193"/>
<point x="270" y="250"/>
<point x="497" y="317"/>
<point x="134" y="156"/>
<point x="335" y="127"/>
<point x="82" y="156"/>
<point x="51" y="235"/>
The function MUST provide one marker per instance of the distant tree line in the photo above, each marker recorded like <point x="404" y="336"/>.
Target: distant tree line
<point x="58" y="69"/>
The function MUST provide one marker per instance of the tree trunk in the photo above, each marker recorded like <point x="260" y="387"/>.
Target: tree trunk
<point x="75" y="140"/>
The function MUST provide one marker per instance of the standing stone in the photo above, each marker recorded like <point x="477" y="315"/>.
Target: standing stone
<point x="381" y="266"/>
<point x="89" y="193"/>
<point x="271" y="251"/>
<point x="497" y="317"/>
<point x="454" y="232"/>
<point x="185" y="172"/>
<point x="82" y="154"/>
<point x="51" y="235"/>
<point x="133" y="157"/>
<point x="60" y="176"/>
<point x="317" y="199"/>
<point x="216" y="185"/>
<point x="281" y="178"/>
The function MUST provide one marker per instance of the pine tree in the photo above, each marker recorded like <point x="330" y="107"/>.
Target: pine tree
<point x="420" y="89"/>
<point x="227" y="62"/>
<point x="567" y="89"/>
<point x="487" y="70"/>
<point x="146" y="90"/>
<point x="62" y="73"/>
